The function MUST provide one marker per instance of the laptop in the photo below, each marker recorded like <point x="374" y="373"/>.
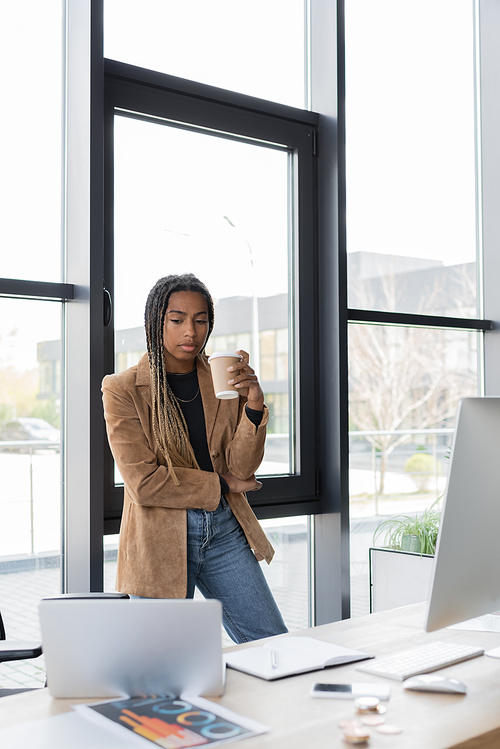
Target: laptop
<point x="113" y="648"/>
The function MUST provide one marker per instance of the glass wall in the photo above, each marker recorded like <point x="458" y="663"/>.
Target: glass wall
<point x="30" y="466"/>
<point x="31" y="146"/>
<point x="410" y="232"/>
<point x="30" y="331"/>
<point x="254" y="48"/>
<point x="411" y="244"/>
<point x="404" y="388"/>
<point x="222" y="208"/>
<point x="410" y="176"/>
<point x="190" y="202"/>
<point x="288" y="575"/>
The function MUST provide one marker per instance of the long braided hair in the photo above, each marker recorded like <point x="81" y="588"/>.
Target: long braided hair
<point x="169" y="426"/>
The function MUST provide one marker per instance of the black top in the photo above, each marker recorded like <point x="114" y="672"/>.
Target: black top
<point x="186" y="389"/>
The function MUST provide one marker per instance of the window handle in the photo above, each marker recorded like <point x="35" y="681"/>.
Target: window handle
<point x="107" y="307"/>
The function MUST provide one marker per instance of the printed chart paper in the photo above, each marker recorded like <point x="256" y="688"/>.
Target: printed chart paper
<point x="172" y="722"/>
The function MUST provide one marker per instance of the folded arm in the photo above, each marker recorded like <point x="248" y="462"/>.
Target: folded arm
<point x="148" y="481"/>
<point x="245" y="452"/>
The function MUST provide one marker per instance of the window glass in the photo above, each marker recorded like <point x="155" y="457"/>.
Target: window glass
<point x="288" y="576"/>
<point x="188" y="202"/>
<point x="268" y="354"/>
<point x="30" y="467"/>
<point x="30" y="147"/>
<point x="410" y="174"/>
<point x="254" y="48"/>
<point x="404" y="384"/>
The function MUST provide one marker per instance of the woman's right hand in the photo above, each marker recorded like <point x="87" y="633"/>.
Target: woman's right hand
<point x="241" y="485"/>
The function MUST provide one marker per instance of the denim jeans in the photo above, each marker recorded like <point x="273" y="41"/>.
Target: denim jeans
<point x="221" y="565"/>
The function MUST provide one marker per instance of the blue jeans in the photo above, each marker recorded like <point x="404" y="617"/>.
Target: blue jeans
<point x="221" y="565"/>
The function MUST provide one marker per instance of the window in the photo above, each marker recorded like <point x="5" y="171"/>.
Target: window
<point x="413" y="274"/>
<point x="288" y="576"/>
<point x="216" y="207"/>
<point x="256" y="49"/>
<point x="31" y="399"/>
<point x="411" y="210"/>
<point x="392" y="273"/>
<point x="30" y="210"/>
<point x="205" y="183"/>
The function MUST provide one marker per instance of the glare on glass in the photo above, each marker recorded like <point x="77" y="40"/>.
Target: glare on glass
<point x="255" y="48"/>
<point x="287" y="576"/>
<point x="31" y="144"/>
<point x="30" y="405"/>
<point x="190" y="202"/>
<point x="410" y="173"/>
<point x="404" y="389"/>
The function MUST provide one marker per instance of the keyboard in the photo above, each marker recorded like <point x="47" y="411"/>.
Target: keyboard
<point x="420" y="659"/>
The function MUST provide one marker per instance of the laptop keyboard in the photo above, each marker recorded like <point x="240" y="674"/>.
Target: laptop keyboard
<point x="420" y="659"/>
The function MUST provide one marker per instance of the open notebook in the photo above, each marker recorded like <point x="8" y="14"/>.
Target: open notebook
<point x="291" y="655"/>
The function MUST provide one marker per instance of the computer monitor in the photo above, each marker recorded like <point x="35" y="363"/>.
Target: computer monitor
<point x="466" y="576"/>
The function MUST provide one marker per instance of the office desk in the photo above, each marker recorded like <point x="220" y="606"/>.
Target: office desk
<point x="297" y="721"/>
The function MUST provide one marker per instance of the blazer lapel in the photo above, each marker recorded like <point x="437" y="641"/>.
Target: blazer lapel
<point x="210" y="403"/>
<point x="143" y="379"/>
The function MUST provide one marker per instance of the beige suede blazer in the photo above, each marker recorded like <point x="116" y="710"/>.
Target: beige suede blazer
<point x="152" y="548"/>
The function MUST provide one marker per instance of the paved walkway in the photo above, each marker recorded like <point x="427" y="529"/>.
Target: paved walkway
<point x="20" y="593"/>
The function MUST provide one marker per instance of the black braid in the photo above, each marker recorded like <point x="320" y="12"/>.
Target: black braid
<point x="169" y="425"/>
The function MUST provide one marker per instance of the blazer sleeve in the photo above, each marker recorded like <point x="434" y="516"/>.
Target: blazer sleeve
<point x="147" y="481"/>
<point x="245" y="451"/>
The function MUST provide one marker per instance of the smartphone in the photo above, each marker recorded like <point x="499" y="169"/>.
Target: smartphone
<point x="351" y="691"/>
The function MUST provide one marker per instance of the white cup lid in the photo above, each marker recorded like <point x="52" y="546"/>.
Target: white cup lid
<point x="220" y="354"/>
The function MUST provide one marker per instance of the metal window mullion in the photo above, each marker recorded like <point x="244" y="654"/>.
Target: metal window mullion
<point x="202" y="93"/>
<point x="331" y="527"/>
<point x="380" y="317"/>
<point x="42" y="290"/>
<point x="82" y="495"/>
<point x="488" y="125"/>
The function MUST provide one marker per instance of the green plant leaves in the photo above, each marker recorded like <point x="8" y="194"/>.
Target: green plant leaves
<point x="424" y="526"/>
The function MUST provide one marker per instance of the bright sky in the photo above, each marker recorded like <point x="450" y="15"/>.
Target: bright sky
<point x="409" y="142"/>
<point x="173" y="189"/>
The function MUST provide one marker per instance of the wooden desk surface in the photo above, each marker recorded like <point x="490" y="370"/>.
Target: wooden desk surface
<point x="297" y="721"/>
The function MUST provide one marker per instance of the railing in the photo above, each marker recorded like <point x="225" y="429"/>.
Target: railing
<point x="30" y="444"/>
<point x="28" y="447"/>
<point x="377" y="455"/>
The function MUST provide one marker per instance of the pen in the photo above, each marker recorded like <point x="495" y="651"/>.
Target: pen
<point x="273" y="659"/>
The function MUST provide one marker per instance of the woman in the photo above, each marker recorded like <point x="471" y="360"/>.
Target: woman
<point x="187" y="460"/>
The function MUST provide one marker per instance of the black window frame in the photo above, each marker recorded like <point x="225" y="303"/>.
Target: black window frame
<point x="147" y="94"/>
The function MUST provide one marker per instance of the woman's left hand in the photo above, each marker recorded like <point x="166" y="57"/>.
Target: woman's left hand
<point x="247" y="382"/>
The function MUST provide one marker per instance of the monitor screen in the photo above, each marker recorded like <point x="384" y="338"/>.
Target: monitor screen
<point x="466" y="577"/>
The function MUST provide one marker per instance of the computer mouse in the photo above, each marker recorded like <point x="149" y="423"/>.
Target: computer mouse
<point x="434" y="683"/>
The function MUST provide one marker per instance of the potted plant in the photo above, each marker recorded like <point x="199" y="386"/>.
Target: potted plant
<point x="409" y="533"/>
<point x="401" y="566"/>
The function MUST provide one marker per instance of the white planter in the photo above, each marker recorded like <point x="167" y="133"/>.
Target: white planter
<point x="398" y="578"/>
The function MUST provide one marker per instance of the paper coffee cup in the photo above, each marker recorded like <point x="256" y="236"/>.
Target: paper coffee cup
<point x="219" y="362"/>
